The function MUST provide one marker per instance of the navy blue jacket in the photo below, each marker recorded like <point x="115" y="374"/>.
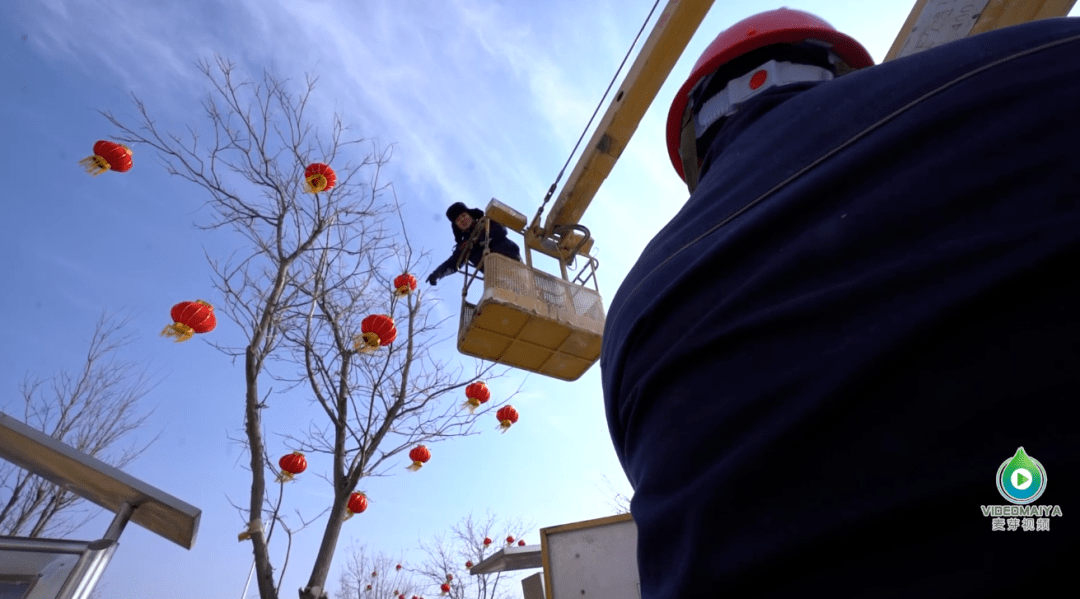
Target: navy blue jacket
<point x="814" y="372"/>
<point x="499" y="244"/>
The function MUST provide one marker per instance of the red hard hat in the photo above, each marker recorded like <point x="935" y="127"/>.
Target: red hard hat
<point x="781" y="26"/>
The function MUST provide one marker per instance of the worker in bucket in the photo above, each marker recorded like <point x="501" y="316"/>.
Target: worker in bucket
<point x="462" y="221"/>
<point x="859" y="338"/>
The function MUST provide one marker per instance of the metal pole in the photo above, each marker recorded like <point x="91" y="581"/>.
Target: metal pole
<point x="248" y="583"/>
<point x="84" y="577"/>
<point x="92" y="564"/>
<point x="120" y="521"/>
<point x="21" y="544"/>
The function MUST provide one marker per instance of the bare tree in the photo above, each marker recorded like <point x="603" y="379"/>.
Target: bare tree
<point x="448" y="556"/>
<point x="618" y="502"/>
<point x="376" y="577"/>
<point x="314" y="267"/>
<point x="95" y="410"/>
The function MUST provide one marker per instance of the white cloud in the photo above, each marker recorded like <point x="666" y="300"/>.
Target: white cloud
<point x="142" y="44"/>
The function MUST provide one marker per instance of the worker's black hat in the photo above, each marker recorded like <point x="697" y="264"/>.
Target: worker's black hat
<point x="457" y="208"/>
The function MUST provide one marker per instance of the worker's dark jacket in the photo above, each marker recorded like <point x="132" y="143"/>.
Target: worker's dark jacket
<point x="499" y="244"/>
<point x="815" y="371"/>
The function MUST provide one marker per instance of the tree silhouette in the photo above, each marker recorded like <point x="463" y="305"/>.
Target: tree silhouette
<point x="313" y="267"/>
<point x="94" y="410"/>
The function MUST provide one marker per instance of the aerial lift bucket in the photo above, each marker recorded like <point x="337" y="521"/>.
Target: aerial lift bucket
<point x="529" y="319"/>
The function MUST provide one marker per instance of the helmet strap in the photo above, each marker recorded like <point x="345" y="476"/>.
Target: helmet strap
<point x="688" y="147"/>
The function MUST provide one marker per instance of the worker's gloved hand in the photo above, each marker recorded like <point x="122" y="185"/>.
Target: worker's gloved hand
<point x="439" y="273"/>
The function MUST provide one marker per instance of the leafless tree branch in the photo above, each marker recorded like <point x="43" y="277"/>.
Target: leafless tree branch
<point x="95" y="410"/>
<point x="618" y="502"/>
<point x="449" y="554"/>
<point x="386" y="576"/>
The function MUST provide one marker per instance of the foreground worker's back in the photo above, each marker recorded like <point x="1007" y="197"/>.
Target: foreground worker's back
<point x="813" y="396"/>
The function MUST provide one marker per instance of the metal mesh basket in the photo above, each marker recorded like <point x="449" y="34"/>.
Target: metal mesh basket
<point x="559" y="296"/>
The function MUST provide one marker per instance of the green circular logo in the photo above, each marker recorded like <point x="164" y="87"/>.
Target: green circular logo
<point x="1021" y="478"/>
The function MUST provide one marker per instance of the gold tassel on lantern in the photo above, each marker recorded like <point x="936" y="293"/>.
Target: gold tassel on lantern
<point x="180" y="331"/>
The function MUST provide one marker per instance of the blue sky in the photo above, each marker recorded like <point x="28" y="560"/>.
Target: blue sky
<point x="481" y="98"/>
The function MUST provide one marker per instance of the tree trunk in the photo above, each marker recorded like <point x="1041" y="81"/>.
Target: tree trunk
<point x="316" y="586"/>
<point x="264" y="571"/>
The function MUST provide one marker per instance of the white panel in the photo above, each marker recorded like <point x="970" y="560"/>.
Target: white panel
<point x="941" y="22"/>
<point x="594" y="562"/>
<point x="531" y="587"/>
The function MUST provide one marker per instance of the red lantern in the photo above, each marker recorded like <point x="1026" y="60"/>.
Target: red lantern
<point x="401" y="597"/>
<point x="468" y="564"/>
<point x="291" y="465"/>
<point x="477" y="393"/>
<point x="521" y="543"/>
<point x="319" y="177"/>
<point x="369" y="587"/>
<point x="487" y="541"/>
<point x="375" y="572"/>
<point x="376" y="330"/>
<point x="399" y="567"/>
<point x="357" y="504"/>
<point x="190" y="318"/>
<point x="449" y="577"/>
<point x="510" y="540"/>
<point x="419" y="456"/>
<point x="108" y="156"/>
<point x="445" y="588"/>
<point x="507" y="416"/>
<point x="403" y="284"/>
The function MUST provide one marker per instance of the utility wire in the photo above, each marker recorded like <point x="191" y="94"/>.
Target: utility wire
<point x="551" y="190"/>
